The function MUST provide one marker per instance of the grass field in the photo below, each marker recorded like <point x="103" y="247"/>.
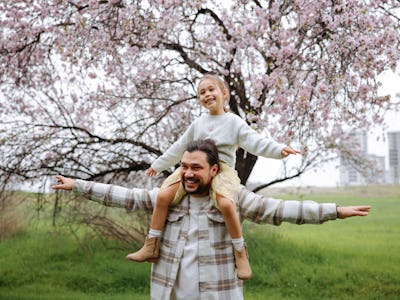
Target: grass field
<point x="357" y="258"/>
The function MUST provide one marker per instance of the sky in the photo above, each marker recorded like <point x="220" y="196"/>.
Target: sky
<point x="327" y="175"/>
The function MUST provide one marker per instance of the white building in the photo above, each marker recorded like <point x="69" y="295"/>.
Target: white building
<point x="352" y="174"/>
<point x="349" y="175"/>
<point x="394" y="156"/>
<point x="378" y="174"/>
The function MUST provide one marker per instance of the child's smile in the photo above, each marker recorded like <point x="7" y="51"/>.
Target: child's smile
<point x="212" y="97"/>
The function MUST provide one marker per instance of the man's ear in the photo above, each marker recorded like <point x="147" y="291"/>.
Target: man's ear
<point x="214" y="169"/>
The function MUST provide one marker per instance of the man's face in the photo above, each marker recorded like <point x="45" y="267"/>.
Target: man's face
<point x="196" y="173"/>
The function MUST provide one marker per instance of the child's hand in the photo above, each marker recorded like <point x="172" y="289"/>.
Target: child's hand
<point x="287" y="151"/>
<point x="64" y="183"/>
<point x="151" y="172"/>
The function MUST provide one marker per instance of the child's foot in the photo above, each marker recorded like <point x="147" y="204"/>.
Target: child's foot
<point x="242" y="264"/>
<point x="149" y="251"/>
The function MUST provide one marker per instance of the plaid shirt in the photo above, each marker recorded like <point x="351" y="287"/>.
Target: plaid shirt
<point x="217" y="275"/>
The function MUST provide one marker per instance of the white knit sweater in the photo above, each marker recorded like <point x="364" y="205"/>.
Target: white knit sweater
<point x="229" y="132"/>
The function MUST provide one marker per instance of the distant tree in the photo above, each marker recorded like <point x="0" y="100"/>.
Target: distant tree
<point x="98" y="89"/>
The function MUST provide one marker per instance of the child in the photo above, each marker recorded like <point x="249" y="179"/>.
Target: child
<point x="228" y="131"/>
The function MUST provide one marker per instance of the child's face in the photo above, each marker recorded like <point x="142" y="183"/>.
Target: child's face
<point x="212" y="97"/>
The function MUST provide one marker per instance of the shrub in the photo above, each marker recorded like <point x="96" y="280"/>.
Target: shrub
<point x="13" y="220"/>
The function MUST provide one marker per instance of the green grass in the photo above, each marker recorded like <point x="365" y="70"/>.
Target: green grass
<point x="356" y="258"/>
<point x="46" y="264"/>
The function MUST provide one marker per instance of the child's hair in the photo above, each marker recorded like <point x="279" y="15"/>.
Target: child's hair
<point x="222" y="84"/>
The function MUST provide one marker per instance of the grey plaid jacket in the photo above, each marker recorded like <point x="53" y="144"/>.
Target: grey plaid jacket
<point x="218" y="279"/>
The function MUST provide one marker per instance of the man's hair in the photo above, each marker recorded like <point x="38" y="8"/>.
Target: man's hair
<point x="207" y="146"/>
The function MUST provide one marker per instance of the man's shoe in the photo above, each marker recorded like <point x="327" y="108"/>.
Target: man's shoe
<point x="243" y="268"/>
<point x="149" y="251"/>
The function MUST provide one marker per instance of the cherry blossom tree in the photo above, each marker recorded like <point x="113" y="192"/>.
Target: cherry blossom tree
<point x="98" y="89"/>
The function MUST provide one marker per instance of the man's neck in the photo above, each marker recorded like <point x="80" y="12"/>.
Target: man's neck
<point x="199" y="195"/>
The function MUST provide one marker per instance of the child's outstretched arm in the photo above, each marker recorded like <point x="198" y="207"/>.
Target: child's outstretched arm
<point x="173" y="154"/>
<point x="287" y="151"/>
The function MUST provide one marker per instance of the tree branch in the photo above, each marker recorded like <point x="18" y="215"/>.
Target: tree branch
<point x="190" y="62"/>
<point x="263" y="186"/>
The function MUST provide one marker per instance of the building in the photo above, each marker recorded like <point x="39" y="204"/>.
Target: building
<point x="377" y="174"/>
<point x="349" y="174"/>
<point x="394" y="156"/>
<point x="371" y="170"/>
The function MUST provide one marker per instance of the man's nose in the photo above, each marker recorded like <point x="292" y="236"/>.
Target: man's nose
<point x="189" y="173"/>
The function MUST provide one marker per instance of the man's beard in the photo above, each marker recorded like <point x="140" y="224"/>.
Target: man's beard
<point x="201" y="188"/>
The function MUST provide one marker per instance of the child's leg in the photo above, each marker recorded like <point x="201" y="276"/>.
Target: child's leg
<point x="232" y="222"/>
<point x="164" y="198"/>
<point x="150" y="250"/>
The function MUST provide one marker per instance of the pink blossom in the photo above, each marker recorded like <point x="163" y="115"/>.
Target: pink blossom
<point x="123" y="68"/>
<point x="364" y="89"/>
<point x="114" y="2"/>
<point x="322" y="88"/>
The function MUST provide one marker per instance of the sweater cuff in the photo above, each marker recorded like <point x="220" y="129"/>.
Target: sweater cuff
<point x="79" y="186"/>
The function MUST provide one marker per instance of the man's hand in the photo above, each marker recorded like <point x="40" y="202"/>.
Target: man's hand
<point x="287" y="150"/>
<point x="352" y="211"/>
<point x="64" y="183"/>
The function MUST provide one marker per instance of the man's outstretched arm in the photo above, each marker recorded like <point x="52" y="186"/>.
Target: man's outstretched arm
<point x="261" y="209"/>
<point x="109" y="195"/>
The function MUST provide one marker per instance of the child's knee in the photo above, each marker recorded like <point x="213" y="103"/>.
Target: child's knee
<point x="225" y="204"/>
<point x="164" y="198"/>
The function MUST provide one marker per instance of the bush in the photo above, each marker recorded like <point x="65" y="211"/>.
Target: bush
<point x="13" y="220"/>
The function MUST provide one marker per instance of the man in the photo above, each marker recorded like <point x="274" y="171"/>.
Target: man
<point x="196" y="258"/>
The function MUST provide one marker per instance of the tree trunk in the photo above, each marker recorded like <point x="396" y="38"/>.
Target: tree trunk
<point x="244" y="164"/>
